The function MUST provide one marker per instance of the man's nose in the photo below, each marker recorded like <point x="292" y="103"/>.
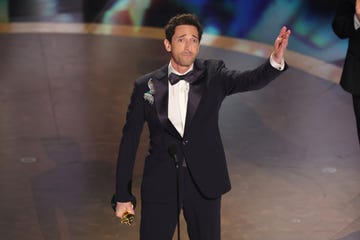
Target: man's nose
<point x="187" y="44"/>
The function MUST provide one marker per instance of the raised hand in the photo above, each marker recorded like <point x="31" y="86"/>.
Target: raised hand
<point x="281" y="43"/>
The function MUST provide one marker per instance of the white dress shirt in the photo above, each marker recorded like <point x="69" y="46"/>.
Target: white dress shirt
<point x="356" y="22"/>
<point x="178" y="97"/>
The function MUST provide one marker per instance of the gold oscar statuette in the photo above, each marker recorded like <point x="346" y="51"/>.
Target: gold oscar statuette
<point x="127" y="218"/>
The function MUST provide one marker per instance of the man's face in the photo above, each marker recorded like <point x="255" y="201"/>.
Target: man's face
<point x="184" y="47"/>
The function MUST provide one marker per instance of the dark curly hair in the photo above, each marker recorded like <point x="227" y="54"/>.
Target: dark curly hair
<point x="182" y="19"/>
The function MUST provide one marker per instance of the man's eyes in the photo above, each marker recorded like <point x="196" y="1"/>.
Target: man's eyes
<point x="194" y="40"/>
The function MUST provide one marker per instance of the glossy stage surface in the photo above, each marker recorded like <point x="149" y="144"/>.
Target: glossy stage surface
<point x="292" y="148"/>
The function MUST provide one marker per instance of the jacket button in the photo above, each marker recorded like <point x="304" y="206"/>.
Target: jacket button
<point x="185" y="142"/>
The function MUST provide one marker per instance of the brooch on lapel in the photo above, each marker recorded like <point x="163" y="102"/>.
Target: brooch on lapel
<point x="149" y="95"/>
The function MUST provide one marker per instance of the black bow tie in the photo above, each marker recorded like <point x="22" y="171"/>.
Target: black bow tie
<point x="189" y="77"/>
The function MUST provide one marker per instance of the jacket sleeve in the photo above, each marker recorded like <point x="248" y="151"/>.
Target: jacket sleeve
<point x="343" y="22"/>
<point x="234" y="81"/>
<point x="128" y="146"/>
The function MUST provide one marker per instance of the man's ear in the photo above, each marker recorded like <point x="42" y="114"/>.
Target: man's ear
<point x="167" y="45"/>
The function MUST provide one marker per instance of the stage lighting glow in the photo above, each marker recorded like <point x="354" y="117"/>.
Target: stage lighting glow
<point x="254" y="20"/>
<point x="4" y="11"/>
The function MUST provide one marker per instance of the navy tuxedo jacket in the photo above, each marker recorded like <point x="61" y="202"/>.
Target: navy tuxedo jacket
<point x="343" y="26"/>
<point x="201" y="144"/>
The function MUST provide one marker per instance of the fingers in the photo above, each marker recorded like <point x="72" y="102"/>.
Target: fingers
<point x="283" y="30"/>
<point x="284" y="33"/>
<point x="283" y="37"/>
<point x="125" y="211"/>
<point x="280" y="44"/>
<point x="122" y="208"/>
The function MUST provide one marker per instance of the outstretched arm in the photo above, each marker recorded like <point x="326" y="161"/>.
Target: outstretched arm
<point x="280" y="44"/>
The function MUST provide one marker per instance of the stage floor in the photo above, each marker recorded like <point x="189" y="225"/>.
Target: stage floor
<point x="292" y="148"/>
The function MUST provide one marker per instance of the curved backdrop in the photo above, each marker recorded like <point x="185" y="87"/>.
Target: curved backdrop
<point x="255" y="20"/>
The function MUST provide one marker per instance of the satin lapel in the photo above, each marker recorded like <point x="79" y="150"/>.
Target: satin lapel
<point x="160" y="82"/>
<point x="195" y="94"/>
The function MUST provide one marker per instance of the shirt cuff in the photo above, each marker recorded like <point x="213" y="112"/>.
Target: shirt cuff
<point x="276" y="65"/>
<point x="356" y="22"/>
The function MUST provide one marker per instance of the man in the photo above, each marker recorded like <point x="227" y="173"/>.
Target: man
<point x="346" y="24"/>
<point x="183" y="122"/>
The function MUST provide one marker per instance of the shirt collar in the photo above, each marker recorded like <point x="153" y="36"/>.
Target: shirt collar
<point x="172" y="70"/>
